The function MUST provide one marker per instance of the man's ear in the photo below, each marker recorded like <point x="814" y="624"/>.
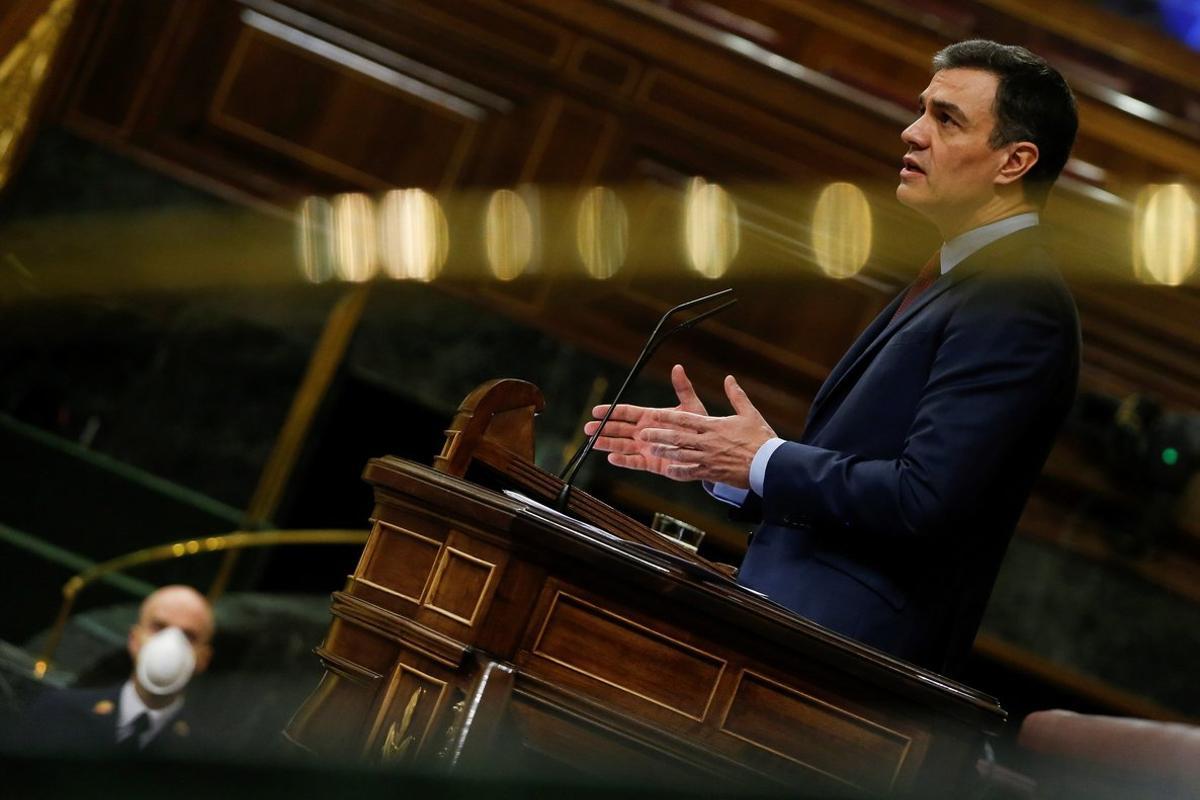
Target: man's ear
<point x="1021" y="158"/>
<point x="203" y="657"/>
<point x="134" y="641"/>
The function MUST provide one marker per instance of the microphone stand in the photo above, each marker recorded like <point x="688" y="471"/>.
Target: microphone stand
<point x="657" y="337"/>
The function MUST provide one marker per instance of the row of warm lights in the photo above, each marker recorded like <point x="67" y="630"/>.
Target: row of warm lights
<point x="405" y="235"/>
<point x="352" y="239"/>
<point x="1164" y="234"/>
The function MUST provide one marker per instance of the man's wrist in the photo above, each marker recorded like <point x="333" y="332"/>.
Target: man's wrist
<point x="758" y="467"/>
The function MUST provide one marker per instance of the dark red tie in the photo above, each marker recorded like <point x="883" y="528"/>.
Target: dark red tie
<point x="925" y="278"/>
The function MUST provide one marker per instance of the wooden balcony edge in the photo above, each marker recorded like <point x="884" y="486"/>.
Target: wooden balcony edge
<point x="1122" y="701"/>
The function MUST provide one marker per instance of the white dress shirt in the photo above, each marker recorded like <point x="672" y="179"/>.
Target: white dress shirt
<point x="130" y="707"/>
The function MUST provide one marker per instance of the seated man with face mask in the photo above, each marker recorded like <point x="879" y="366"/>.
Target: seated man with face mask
<point x="170" y="642"/>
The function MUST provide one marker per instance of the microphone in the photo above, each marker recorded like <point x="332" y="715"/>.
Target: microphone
<point x="657" y="337"/>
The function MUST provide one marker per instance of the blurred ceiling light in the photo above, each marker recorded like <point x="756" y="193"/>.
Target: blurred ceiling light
<point x="7" y="137"/>
<point x="508" y="234"/>
<point x="711" y="228"/>
<point x="23" y="72"/>
<point x="314" y="239"/>
<point x="602" y="232"/>
<point x="1164" y="234"/>
<point x="354" y="237"/>
<point x="413" y="235"/>
<point x="841" y="230"/>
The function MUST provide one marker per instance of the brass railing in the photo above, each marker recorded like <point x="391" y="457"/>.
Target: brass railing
<point x="237" y="540"/>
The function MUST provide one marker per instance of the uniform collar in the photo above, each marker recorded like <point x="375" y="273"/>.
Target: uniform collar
<point x="130" y="705"/>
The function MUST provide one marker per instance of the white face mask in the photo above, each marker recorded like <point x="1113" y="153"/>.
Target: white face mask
<point x="166" y="662"/>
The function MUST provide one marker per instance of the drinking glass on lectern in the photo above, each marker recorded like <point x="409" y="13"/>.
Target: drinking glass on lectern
<point x="677" y="531"/>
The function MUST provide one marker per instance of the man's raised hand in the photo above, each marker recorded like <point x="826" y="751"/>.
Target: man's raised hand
<point x="684" y="443"/>
<point x="699" y="447"/>
<point x="621" y="438"/>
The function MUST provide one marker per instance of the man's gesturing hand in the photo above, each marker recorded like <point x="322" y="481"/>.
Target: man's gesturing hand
<point x="684" y="443"/>
<point x="717" y="449"/>
<point x="621" y="439"/>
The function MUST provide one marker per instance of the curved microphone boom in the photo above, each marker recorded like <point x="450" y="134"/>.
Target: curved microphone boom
<point x="657" y="337"/>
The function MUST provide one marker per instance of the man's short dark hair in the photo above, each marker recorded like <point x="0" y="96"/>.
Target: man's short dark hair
<point x="1033" y="104"/>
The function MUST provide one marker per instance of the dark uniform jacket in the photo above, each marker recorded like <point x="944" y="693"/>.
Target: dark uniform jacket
<point x="84" y="722"/>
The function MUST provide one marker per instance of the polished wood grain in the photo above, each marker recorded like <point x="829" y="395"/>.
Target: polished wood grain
<point x="461" y="585"/>
<point x="400" y="561"/>
<point x="564" y="636"/>
<point x="411" y="701"/>
<point x="606" y="647"/>
<point x="312" y="99"/>
<point x="775" y="717"/>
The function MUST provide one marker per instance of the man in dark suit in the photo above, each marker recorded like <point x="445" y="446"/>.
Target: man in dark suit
<point x="171" y="641"/>
<point x="888" y="519"/>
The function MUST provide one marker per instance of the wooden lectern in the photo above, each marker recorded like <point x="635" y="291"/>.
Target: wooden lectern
<point x="482" y="628"/>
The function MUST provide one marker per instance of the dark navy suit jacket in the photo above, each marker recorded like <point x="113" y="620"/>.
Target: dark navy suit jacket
<point x="888" y="519"/>
<point x="84" y="722"/>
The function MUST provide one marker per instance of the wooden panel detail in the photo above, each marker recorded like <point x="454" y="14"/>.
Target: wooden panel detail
<point x="331" y="724"/>
<point x="571" y="144"/>
<point x="500" y="26"/>
<point x="699" y="112"/>
<point x="346" y="668"/>
<point x="358" y="623"/>
<point x="604" y="646"/>
<point x="319" y="97"/>
<point x="805" y="730"/>
<point x="599" y="67"/>
<point x="132" y="40"/>
<point x="399" y="561"/>
<point x="564" y="732"/>
<point x="409" y="708"/>
<point x="359" y="640"/>
<point x="459" y="586"/>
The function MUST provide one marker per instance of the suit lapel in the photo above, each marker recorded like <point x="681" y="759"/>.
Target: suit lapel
<point x="873" y="345"/>
<point x="851" y="356"/>
<point x="884" y="327"/>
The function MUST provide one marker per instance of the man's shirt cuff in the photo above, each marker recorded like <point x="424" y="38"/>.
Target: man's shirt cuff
<point x="758" y="473"/>
<point x="726" y="493"/>
<point x="758" y="467"/>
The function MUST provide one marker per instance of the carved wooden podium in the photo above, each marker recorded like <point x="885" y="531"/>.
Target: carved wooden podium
<point x="482" y="628"/>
